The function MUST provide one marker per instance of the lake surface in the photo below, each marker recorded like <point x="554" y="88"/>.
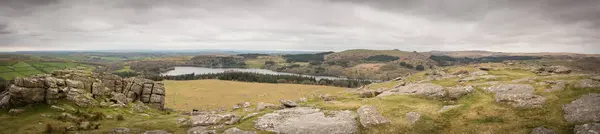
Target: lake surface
<point x="203" y="70"/>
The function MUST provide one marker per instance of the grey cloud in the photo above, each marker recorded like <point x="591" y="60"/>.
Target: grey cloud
<point x="422" y="25"/>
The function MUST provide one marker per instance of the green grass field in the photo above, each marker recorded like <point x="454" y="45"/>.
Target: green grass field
<point x="11" y="70"/>
<point x="260" y="61"/>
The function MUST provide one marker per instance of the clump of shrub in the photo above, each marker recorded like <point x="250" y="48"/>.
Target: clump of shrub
<point x="120" y="117"/>
<point x="55" y="128"/>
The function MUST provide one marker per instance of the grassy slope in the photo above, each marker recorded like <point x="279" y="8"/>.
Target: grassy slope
<point x="215" y="94"/>
<point x="32" y="122"/>
<point x="479" y="112"/>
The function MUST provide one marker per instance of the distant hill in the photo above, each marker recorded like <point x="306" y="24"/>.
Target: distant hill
<point x="478" y="54"/>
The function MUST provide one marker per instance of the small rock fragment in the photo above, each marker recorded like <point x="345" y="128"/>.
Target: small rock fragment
<point x="413" y="117"/>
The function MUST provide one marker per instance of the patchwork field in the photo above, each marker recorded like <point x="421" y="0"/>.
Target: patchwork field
<point x="10" y="70"/>
<point x="215" y="94"/>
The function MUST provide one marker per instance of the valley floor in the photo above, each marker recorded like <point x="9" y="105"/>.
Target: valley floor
<point x="207" y="95"/>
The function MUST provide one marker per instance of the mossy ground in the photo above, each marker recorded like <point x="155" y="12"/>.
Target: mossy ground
<point x="32" y="121"/>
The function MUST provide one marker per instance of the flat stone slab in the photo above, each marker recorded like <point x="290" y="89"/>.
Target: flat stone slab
<point x="305" y="120"/>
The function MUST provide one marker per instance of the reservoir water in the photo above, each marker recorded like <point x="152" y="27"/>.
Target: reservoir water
<point x="179" y="70"/>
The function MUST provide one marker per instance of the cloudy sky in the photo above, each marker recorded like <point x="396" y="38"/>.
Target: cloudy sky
<point x="421" y="25"/>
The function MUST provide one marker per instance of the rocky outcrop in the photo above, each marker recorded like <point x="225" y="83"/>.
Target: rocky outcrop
<point x="201" y="130"/>
<point x="556" y="85"/>
<point x="542" y="130"/>
<point x="120" y="130"/>
<point x="558" y="69"/>
<point x="583" y="110"/>
<point x="261" y="106"/>
<point x="422" y="89"/>
<point x="511" y="88"/>
<point x="369" y="93"/>
<point x="304" y="120"/>
<point x="235" y="130"/>
<point x="205" y="119"/>
<point x="288" y="103"/>
<point x="457" y="92"/>
<point x="521" y="100"/>
<point x="82" y="87"/>
<point x="517" y="95"/>
<point x="156" y="132"/>
<point x="369" y="116"/>
<point x="588" y="83"/>
<point x="589" y="128"/>
<point x="460" y="72"/>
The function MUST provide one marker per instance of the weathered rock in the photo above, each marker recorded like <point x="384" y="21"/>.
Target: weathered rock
<point x="57" y="108"/>
<point x="68" y="117"/>
<point x="16" y="111"/>
<point x="246" y="104"/>
<point x="588" y="83"/>
<point x="237" y="106"/>
<point x="80" y="98"/>
<point x="459" y="72"/>
<point x="457" y="92"/>
<point x="556" y="86"/>
<point x="596" y="78"/>
<point x="119" y="97"/>
<point x="233" y="120"/>
<point x="201" y="130"/>
<point x="369" y="93"/>
<point x="120" y="130"/>
<point x="205" y="119"/>
<point x="74" y="84"/>
<point x="369" y="116"/>
<point x="84" y="125"/>
<point x="413" y="117"/>
<point x="422" y="89"/>
<point x="511" y="88"/>
<point x="589" y="128"/>
<point x="140" y="107"/>
<point x="542" y="130"/>
<point x="52" y="95"/>
<point x="479" y="73"/>
<point x="302" y="100"/>
<point x="235" y="130"/>
<point x="250" y="115"/>
<point x="30" y="82"/>
<point x="584" y="109"/>
<point x="528" y="79"/>
<point x="559" y="69"/>
<point x="23" y="95"/>
<point x="157" y="132"/>
<point x="4" y="100"/>
<point x="303" y="120"/>
<point x="521" y="100"/>
<point x="288" y="103"/>
<point x="326" y="97"/>
<point x="261" y="106"/>
<point x="448" y="108"/>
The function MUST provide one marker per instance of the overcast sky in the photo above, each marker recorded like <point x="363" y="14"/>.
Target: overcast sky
<point x="421" y="25"/>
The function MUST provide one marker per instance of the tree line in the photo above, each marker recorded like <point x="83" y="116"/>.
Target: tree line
<point x="449" y="61"/>
<point x="270" y="78"/>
